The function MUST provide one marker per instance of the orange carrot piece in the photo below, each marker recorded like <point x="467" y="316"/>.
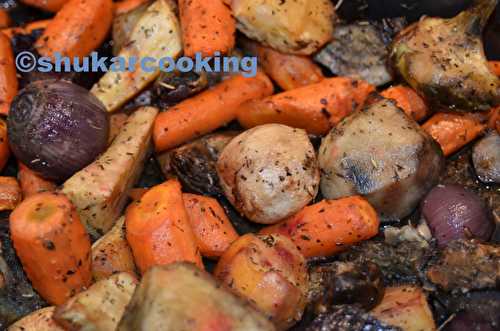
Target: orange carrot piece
<point x="207" y="27"/>
<point x="53" y="246"/>
<point x="158" y="229"/>
<point x="453" y="131"/>
<point x="8" y="78"/>
<point x="136" y="193"/>
<point x="47" y="5"/>
<point x="213" y="230"/>
<point x="4" y="19"/>
<point x="494" y="119"/>
<point x="287" y="70"/>
<point x="122" y="7"/>
<point x="495" y="67"/>
<point x="208" y="110"/>
<point x="77" y="29"/>
<point x="408" y="100"/>
<point x="10" y="193"/>
<point x="329" y="226"/>
<point x="26" y="29"/>
<point x="315" y="108"/>
<point x="4" y="144"/>
<point x="31" y="183"/>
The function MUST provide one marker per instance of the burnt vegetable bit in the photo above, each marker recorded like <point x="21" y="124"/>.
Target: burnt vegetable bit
<point x="486" y="158"/>
<point x="444" y="60"/>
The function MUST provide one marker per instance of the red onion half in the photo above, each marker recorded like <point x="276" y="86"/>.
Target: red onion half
<point x="453" y="212"/>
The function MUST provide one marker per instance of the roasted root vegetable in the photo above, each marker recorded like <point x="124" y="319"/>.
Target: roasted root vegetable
<point x="4" y="19"/>
<point x="444" y="60"/>
<point x="207" y="27"/>
<point x="56" y="128"/>
<point x="8" y="78"/>
<point x="25" y="29"/>
<point x="39" y="320"/>
<point x="329" y="226"/>
<point x="486" y="158"/>
<point x="4" y="144"/>
<point x="116" y="123"/>
<point x="10" y="193"/>
<point x="212" y="229"/>
<point x="163" y="39"/>
<point x="287" y="70"/>
<point x="52" y="245"/>
<point x="408" y="100"/>
<point x="31" y="183"/>
<point x="383" y="155"/>
<point x="269" y="271"/>
<point x="405" y="307"/>
<point x="200" y="304"/>
<point x="99" y="191"/>
<point x="454" y="131"/>
<point x="495" y="67"/>
<point x="47" y="5"/>
<point x="158" y="228"/>
<point x="112" y="254"/>
<point x="315" y="108"/>
<point x="100" y="307"/>
<point x="207" y="111"/>
<point x="297" y="27"/>
<point x="70" y="35"/>
<point x="124" y="23"/>
<point x="269" y="172"/>
<point x="126" y="6"/>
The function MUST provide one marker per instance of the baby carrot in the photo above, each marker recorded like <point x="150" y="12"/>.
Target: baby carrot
<point x="158" y="229"/>
<point x="26" y="29"/>
<point x="4" y="144"/>
<point x="121" y="7"/>
<point x="52" y="244"/>
<point x="315" y="108"/>
<point x="495" y="67"/>
<point x="408" y="100"/>
<point x="47" y="5"/>
<point x="77" y="29"/>
<point x="329" y="226"/>
<point x="213" y="230"/>
<point x="10" y="193"/>
<point x="8" y="78"/>
<point x="207" y="27"/>
<point x="31" y="183"/>
<point x="208" y="110"/>
<point x="453" y="131"/>
<point x="4" y="18"/>
<point x="289" y="71"/>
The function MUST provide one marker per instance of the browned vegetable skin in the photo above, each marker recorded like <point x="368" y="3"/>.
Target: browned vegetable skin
<point x="444" y="59"/>
<point x="200" y="304"/>
<point x="99" y="191"/>
<point x="10" y="193"/>
<point x="39" y="320"/>
<point x="100" y="307"/>
<point x="270" y="272"/>
<point x="112" y="253"/>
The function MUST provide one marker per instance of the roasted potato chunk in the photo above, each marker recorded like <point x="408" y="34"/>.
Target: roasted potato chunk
<point x="269" y="172"/>
<point x="270" y="272"/>
<point x="39" y="320"/>
<point x="100" y="307"/>
<point x="112" y="254"/>
<point x="181" y="297"/>
<point x="444" y="59"/>
<point x="299" y="27"/>
<point x="382" y="154"/>
<point x="406" y="307"/>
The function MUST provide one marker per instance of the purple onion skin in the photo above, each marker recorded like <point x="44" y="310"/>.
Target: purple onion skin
<point x="466" y="321"/>
<point x="453" y="212"/>
<point x="56" y="128"/>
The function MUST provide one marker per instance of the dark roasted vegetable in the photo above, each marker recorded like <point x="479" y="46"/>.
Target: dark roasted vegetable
<point x="360" y="50"/>
<point x="56" y="128"/>
<point x="453" y="213"/>
<point x="444" y="60"/>
<point x="467" y="321"/>
<point x="382" y="154"/>
<point x="486" y="158"/>
<point x="466" y="265"/>
<point x="481" y="307"/>
<point x="173" y="87"/>
<point x="341" y="283"/>
<point x="348" y="318"/>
